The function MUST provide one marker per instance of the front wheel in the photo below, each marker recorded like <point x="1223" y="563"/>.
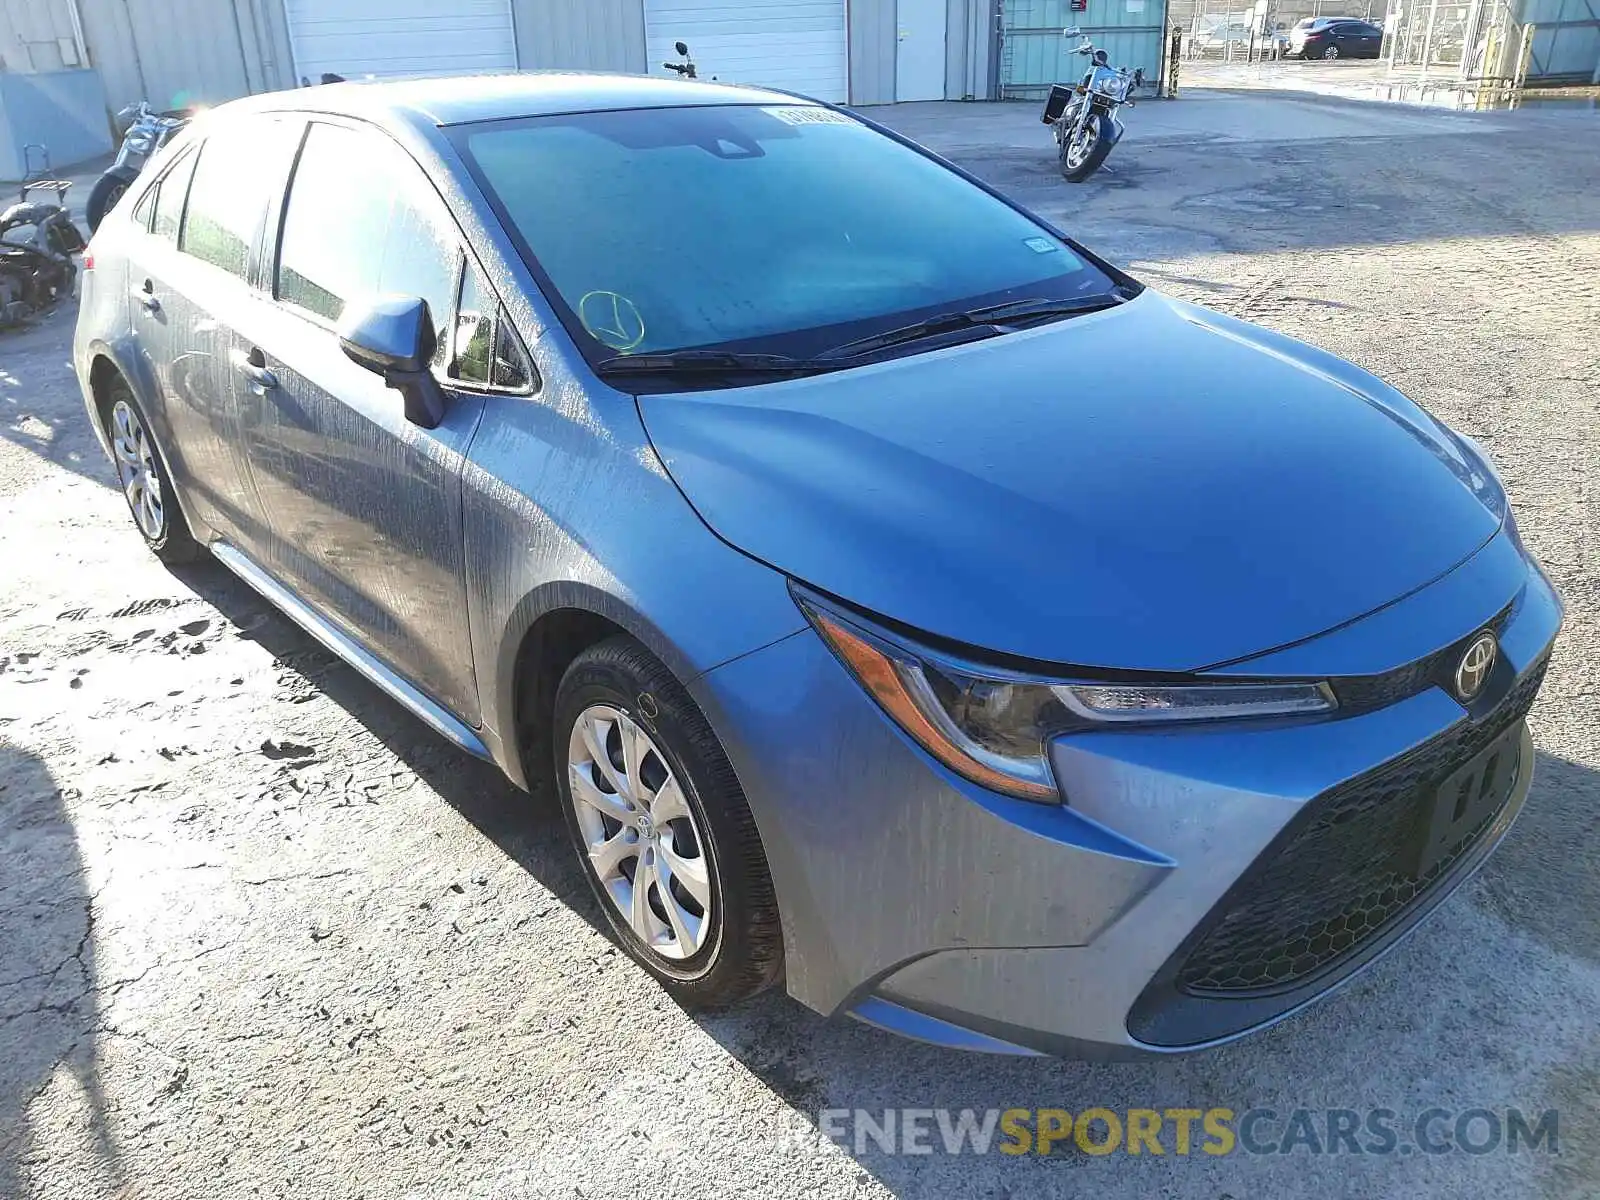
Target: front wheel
<point x="103" y="197"/>
<point x="662" y="829"/>
<point x="1085" y="148"/>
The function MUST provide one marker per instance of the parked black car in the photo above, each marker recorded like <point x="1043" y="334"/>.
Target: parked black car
<point x="1318" y="37"/>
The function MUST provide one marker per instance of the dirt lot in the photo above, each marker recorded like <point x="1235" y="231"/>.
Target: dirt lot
<point x="262" y="934"/>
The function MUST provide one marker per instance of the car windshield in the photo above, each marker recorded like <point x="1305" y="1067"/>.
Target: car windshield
<point x="784" y="229"/>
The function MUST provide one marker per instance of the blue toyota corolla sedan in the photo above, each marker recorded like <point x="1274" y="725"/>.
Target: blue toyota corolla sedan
<point x="902" y="602"/>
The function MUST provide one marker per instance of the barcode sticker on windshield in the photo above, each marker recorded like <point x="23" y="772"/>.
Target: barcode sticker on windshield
<point x="808" y="116"/>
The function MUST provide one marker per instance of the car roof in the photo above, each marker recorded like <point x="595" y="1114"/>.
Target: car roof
<point x="454" y="99"/>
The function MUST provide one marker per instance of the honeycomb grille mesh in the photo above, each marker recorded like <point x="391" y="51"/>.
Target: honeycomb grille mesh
<point x="1345" y="873"/>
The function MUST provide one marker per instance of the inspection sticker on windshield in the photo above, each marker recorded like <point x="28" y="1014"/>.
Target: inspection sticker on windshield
<point x="1040" y="245"/>
<point x="796" y="115"/>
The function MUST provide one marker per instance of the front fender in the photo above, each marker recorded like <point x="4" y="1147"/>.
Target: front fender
<point x="567" y="506"/>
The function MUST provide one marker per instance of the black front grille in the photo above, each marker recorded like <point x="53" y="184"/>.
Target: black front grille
<point x="1358" y="693"/>
<point x="1344" y="870"/>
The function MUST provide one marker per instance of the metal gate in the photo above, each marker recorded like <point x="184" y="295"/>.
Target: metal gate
<point x="1033" y="54"/>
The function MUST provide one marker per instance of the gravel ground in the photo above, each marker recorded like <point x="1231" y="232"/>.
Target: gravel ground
<point x="262" y="934"/>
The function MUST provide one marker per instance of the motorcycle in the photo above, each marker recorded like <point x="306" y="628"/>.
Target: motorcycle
<point x="145" y="132"/>
<point x="685" y="69"/>
<point x="37" y="242"/>
<point x="1084" y="116"/>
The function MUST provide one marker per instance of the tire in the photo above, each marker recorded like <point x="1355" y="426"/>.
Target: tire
<point x="1331" y="53"/>
<point x="1099" y="128"/>
<point x="139" y="463"/>
<point x="104" y="195"/>
<point x="617" y="688"/>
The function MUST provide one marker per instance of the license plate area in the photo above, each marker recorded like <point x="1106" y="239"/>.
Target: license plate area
<point x="1471" y="794"/>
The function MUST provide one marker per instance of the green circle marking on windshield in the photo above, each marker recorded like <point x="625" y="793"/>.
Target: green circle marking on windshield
<point x="612" y="319"/>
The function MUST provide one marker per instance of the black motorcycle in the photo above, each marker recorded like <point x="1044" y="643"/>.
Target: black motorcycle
<point x="685" y="69"/>
<point x="37" y="242"/>
<point x="145" y="132"/>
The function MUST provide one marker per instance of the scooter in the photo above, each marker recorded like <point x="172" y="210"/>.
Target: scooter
<point x="1085" y="116"/>
<point x="145" y="132"/>
<point x="37" y="242"/>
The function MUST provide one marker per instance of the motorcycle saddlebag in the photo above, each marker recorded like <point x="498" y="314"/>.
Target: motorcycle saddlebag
<point x="1056" y="103"/>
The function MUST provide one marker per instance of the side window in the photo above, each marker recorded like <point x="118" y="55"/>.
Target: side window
<point x="511" y="368"/>
<point x="363" y="219"/>
<point x="143" y="209"/>
<point x="239" y="165"/>
<point x="485" y="349"/>
<point x="170" y="195"/>
<point x="474" y="334"/>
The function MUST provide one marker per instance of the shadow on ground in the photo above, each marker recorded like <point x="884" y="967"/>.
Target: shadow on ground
<point x="47" y="975"/>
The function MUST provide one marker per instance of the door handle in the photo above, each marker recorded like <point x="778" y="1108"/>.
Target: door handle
<point x="253" y="366"/>
<point x="146" y="297"/>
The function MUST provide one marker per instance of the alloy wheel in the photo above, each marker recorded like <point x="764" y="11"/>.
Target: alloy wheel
<point x="1081" y="143"/>
<point x="639" y="833"/>
<point x="136" y="468"/>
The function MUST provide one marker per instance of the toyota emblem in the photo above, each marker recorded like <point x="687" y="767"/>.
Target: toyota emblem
<point x="1476" y="663"/>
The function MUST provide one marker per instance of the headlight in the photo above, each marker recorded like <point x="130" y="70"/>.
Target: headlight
<point x="140" y="142"/>
<point x="994" y="727"/>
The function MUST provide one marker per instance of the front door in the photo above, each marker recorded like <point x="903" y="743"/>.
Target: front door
<point x="919" y="60"/>
<point x="365" y="507"/>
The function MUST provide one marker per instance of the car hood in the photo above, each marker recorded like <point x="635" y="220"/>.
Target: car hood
<point x="1153" y="487"/>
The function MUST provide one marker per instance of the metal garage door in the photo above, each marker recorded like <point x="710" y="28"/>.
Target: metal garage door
<point x="795" y="44"/>
<point x="400" y="37"/>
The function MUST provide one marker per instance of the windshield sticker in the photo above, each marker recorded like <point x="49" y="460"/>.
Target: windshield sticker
<point x="1040" y="245"/>
<point x="612" y="319"/>
<point x="808" y="115"/>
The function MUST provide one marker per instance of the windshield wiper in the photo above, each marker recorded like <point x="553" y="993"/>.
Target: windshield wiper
<point x="996" y="315"/>
<point x="716" y="362"/>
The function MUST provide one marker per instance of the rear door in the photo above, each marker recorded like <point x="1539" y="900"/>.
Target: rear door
<point x="189" y="279"/>
<point x="365" y="507"/>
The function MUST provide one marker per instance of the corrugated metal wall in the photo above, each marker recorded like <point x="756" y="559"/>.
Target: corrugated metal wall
<point x="969" y="34"/>
<point x="597" y="35"/>
<point x="170" y="52"/>
<point x="1033" y="54"/>
<point x="37" y="35"/>
<point x="1566" y="39"/>
<point x="175" y="52"/>
<point x="872" y="51"/>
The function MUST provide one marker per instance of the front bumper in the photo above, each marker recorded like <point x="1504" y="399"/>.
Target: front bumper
<point x="920" y="903"/>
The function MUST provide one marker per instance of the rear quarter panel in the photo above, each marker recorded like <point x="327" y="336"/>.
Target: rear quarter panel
<point x="103" y="322"/>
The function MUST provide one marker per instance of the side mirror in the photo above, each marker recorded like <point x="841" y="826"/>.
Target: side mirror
<point x="682" y="48"/>
<point x="393" y="336"/>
